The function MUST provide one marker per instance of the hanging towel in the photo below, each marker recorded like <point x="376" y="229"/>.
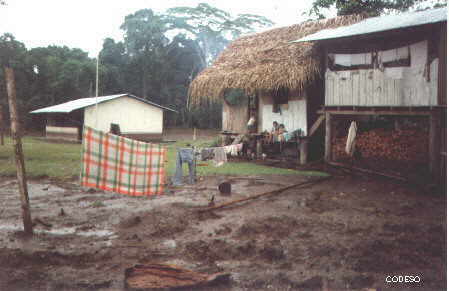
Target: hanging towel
<point x="228" y="149"/>
<point x="235" y="149"/>
<point x="220" y="156"/>
<point x="122" y="165"/>
<point x="350" y="142"/>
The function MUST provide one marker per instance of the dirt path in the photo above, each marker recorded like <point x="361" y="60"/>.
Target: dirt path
<point x="343" y="234"/>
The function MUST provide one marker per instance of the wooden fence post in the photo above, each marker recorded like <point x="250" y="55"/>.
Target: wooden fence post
<point x="328" y="138"/>
<point x="17" y="142"/>
<point x="2" y="130"/>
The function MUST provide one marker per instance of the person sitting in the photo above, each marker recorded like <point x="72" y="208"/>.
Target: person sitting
<point x="272" y="136"/>
<point x="281" y="133"/>
<point x="251" y="125"/>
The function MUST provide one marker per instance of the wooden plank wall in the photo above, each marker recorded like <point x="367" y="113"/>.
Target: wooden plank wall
<point x="442" y="69"/>
<point x="295" y="117"/>
<point x="401" y="86"/>
<point x="235" y="118"/>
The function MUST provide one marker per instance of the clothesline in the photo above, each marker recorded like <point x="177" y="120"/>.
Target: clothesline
<point x="219" y="154"/>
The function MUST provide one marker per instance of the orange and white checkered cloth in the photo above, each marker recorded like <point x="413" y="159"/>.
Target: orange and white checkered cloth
<point x="122" y="165"/>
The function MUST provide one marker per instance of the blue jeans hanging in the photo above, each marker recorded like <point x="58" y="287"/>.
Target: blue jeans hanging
<point x="184" y="155"/>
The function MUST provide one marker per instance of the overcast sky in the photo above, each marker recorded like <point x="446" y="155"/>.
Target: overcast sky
<point x="86" y="23"/>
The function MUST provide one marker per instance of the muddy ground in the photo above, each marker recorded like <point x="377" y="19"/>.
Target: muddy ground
<point x="347" y="233"/>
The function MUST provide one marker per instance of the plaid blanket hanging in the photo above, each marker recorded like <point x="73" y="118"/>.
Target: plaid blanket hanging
<point x="122" y="165"/>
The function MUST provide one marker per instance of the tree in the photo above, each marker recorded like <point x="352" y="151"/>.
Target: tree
<point x="371" y="7"/>
<point x="113" y="62"/>
<point x="59" y="74"/>
<point x="13" y="54"/>
<point x="144" y="42"/>
<point x="212" y="28"/>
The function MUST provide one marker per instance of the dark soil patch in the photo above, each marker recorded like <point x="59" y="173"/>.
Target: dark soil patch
<point x="156" y="224"/>
<point x="270" y="227"/>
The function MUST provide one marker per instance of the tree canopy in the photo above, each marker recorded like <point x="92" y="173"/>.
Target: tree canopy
<point x="159" y="56"/>
<point x="212" y="28"/>
<point x="371" y="7"/>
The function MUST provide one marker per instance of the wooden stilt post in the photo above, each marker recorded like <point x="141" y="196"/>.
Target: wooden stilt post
<point x="258" y="147"/>
<point x="434" y="143"/>
<point x="2" y="131"/>
<point x="303" y="148"/>
<point x="17" y="142"/>
<point x="328" y="138"/>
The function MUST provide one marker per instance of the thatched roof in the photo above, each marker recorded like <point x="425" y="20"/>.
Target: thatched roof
<point x="265" y="61"/>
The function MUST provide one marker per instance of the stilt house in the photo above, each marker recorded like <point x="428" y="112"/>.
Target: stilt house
<point x="392" y="67"/>
<point x="267" y="76"/>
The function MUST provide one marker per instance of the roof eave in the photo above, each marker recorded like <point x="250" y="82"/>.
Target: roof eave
<point x="310" y="38"/>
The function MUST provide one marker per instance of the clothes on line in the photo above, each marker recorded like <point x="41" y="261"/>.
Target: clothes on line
<point x="233" y="149"/>
<point x="350" y="141"/>
<point x="220" y="157"/>
<point x="122" y="165"/>
<point x="188" y="156"/>
<point x="207" y="154"/>
<point x="185" y="155"/>
<point x="294" y="134"/>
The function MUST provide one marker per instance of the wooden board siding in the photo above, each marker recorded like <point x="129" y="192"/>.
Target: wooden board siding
<point x="399" y="86"/>
<point x="64" y="133"/>
<point x="442" y="69"/>
<point x="295" y="117"/>
<point x="147" y="137"/>
<point x="235" y="118"/>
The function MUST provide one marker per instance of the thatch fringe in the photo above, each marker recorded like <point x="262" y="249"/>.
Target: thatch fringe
<point x="265" y="62"/>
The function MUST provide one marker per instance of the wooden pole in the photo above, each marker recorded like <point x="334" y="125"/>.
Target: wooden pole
<point x="434" y="143"/>
<point x="328" y="138"/>
<point x="350" y="167"/>
<point x="277" y="191"/>
<point x="2" y="138"/>
<point x="303" y="151"/>
<point x="258" y="147"/>
<point x="96" y="93"/>
<point x="16" y="138"/>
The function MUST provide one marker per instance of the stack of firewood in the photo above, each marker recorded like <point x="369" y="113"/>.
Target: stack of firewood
<point x="402" y="145"/>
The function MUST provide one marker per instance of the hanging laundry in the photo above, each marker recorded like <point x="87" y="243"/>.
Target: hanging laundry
<point x="185" y="155"/>
<point x="227" y="149"/>
<point x="207" y="154"/>
<point x="287" y="136"/>
<point x="350" y="142"/>
<point x="239" y="147"/>
<point x="238" y="139"/>
<point x="235" y="149"/>
<point x="122" y="165"/>
<point x="220" y="156"/>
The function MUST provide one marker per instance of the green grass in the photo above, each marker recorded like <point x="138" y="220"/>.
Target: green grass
<point x="62" y="161"/>
<point x="55" y="160"/>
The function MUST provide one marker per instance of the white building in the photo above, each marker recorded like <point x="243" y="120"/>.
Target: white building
<point x="137" y="118"/>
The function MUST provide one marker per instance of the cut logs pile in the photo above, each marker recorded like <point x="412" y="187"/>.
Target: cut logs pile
<point x="410" y="145"/>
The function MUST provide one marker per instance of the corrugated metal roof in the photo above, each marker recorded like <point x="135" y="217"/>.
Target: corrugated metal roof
<point x="381" y="23"/>
<point x="73" y="105"/>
